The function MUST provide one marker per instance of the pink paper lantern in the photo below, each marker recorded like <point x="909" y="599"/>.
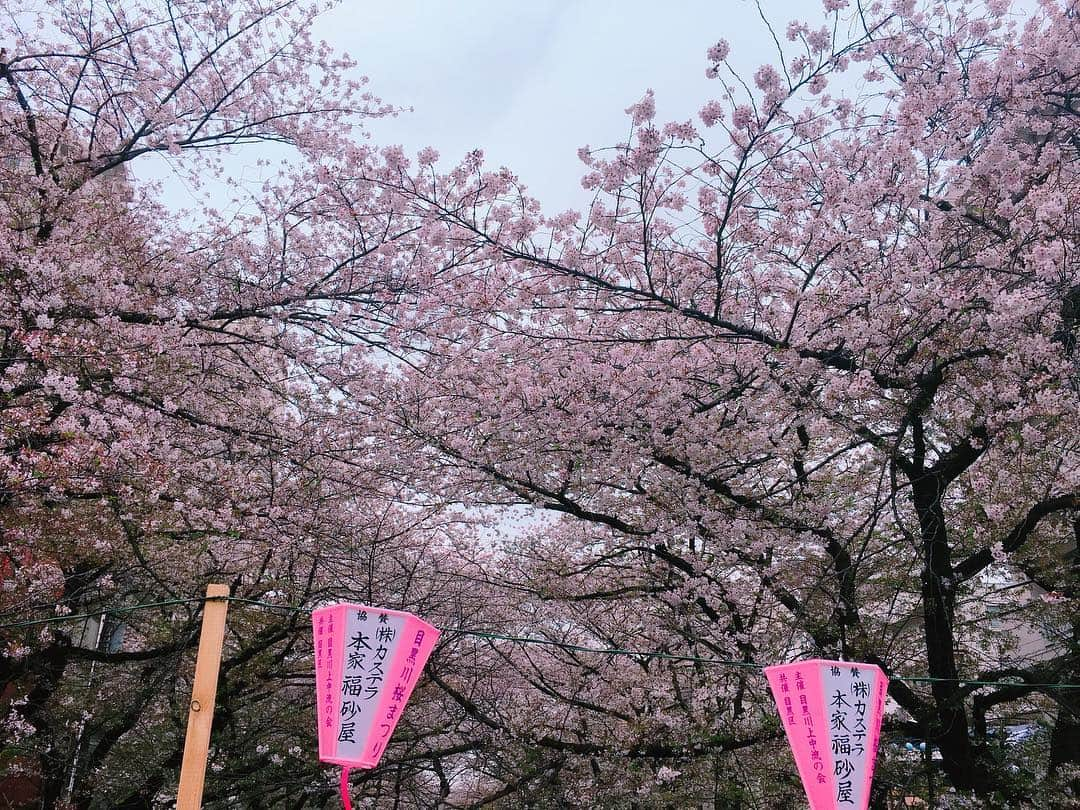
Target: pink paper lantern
<point x="367" y="661"/>
<point x="831" y="711"/>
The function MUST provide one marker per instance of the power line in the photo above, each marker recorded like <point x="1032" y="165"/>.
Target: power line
<point x="74" y="617"/>
<point x="524" y="640"/>
<point x="562" y="645"/>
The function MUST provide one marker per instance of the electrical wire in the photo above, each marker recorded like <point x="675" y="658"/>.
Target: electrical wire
<point x="524" y="640"/>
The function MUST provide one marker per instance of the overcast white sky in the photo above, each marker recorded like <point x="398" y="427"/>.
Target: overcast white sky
<point x="531" y="82"/>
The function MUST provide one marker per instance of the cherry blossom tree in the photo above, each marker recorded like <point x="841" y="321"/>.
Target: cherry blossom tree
<point x="171" y="391"/>
<point x="801" y="380"/>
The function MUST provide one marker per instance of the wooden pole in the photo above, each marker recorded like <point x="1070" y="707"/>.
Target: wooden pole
<point x="203" y="695"/>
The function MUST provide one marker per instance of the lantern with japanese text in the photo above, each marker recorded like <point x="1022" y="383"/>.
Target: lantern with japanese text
<point x="367" y="661"/>
<point x="831" y="711"/>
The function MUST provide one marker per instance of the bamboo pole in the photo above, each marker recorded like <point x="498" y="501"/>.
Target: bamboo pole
<point x="203" y="695"/>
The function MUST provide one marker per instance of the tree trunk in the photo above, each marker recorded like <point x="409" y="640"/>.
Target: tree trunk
<point x="949" y="726"/>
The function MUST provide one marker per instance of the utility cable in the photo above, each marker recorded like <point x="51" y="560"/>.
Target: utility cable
<point x="524" y="640"/>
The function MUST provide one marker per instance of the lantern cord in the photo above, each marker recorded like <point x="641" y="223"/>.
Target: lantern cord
<point x="345" y="800"/>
